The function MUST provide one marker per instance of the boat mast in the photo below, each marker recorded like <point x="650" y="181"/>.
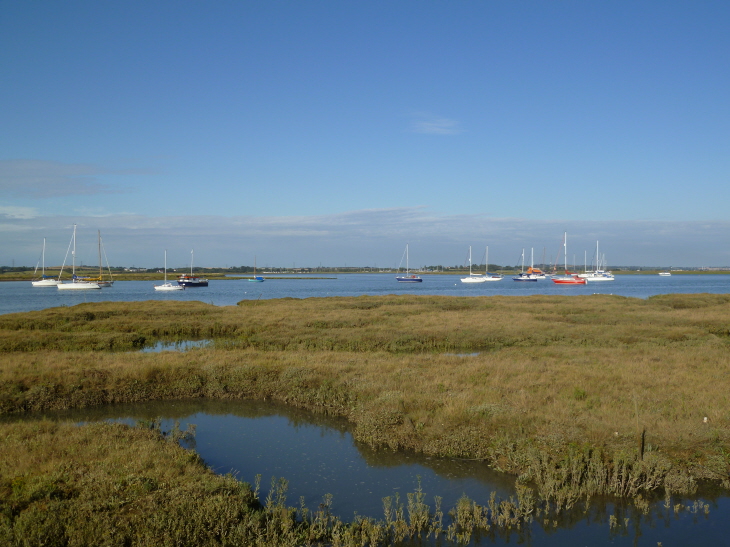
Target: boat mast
<point x="73" y="255"/>
<point x="565" y="250"/>
<point x="99" y="234"/>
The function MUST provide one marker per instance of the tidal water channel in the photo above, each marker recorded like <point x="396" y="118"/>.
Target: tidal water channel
<point x="318" y="456"/>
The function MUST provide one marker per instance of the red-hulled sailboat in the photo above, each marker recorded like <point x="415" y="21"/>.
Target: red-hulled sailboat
<point x="569" y="278"/>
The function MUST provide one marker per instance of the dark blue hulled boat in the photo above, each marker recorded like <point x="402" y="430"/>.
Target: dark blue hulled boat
<point x="409" y="277"/>
<point x="192" y="280"/>
<point x="525" y="277"/>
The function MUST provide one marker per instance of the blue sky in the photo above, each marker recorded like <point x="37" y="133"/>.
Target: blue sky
<point x="332" y="132"/>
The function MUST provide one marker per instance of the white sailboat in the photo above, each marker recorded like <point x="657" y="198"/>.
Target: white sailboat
<point x="473" y="278"/>
<point x="44" y="281"/>
<point x="167" y="286"/>
<point x="599" y="274"/>
<point x="409" y="277"/>
<point x="76" y="283"/>
<point x="487" y="275"/>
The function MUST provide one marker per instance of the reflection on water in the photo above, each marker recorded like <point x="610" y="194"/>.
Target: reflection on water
<point x="315" y="453"/>
<point x="180" y="345"/>
<point x="318" y="456"/>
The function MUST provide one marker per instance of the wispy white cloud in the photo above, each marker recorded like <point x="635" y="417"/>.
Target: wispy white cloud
<point x="44" y="179"/>
<point x="367" y="237"/>
<point x="18" y="212"/>
<point x="434" y="125"/>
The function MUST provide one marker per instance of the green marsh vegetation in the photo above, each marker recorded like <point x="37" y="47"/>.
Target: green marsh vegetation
<point x="578" y="396"/>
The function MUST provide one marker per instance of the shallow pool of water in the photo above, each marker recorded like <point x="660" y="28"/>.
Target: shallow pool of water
<point x="318" y="456"/>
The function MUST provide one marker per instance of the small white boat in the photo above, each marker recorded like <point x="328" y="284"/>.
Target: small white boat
<point x="599" y="274"/>
<point x="476" y="278"/>
<point x="44" y="281"/>
<point x="76" y="283"/>
<point x="488" y="276"/>
<point x="167" y="286"/>
<point x="473" y="278"/>
<point x="665" y="273"/>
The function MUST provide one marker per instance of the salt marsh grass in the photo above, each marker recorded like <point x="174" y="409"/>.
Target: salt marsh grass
<point x="577" y="396"/>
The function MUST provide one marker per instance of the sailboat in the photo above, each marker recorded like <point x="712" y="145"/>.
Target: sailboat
<point x="487" y="275"/>
<point x="167" y="286"/>
<point x="100" y="280"/>
<point x="256" y="278"/>
<point x="473" y="278"/>
<point x="44" y="281"/>
<point x="409" y="277"/>
<point x="191" y="280"/>
<point x="76" y="283"/>
<point x="532" y="273"/>
<point x="599" y="274"/>
<point x="569" y="278"/>
<point x="524" y="276"/>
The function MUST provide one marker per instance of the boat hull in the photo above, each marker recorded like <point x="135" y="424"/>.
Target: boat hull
<point x="78" y="286"/>
<point x="169" y="287"/>
<point x="45" y="283"/>
<point x="191" y="281"/>
<point x="409" y="279"/>
<point x="569" y="280"/>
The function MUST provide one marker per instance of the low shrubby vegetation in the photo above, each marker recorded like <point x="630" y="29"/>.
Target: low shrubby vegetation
<point x="578" y="397"/>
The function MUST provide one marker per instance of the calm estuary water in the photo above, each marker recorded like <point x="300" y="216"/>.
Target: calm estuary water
<point x="16" y="296"/>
